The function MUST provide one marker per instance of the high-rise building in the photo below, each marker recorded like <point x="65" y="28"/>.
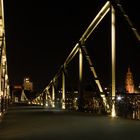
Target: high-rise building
<point x="129" y="82"/>
<point x="27" y="85"/>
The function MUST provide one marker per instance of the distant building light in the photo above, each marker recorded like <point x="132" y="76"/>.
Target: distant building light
<point x="27" y="79"/>
<point x="119" y="98"/>
<point x="28" y="85"/>
<point x="75" y="91"/>
<point x="17" y="87"/>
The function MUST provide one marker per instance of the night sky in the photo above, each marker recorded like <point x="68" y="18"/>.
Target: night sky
<point x="41" y="34"/>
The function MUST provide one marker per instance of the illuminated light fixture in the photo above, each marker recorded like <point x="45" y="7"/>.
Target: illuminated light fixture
<point x="63" y="105"/>
<point x="119" y="98"/>
<point x="102" y="95"/>
<point x="53" y="105"/>
<point x="46" y="104"/>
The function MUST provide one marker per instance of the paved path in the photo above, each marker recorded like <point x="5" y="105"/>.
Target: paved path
<point x="34" y="123"/>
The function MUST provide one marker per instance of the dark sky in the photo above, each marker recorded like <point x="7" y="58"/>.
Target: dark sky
<point x="41" y="34"/>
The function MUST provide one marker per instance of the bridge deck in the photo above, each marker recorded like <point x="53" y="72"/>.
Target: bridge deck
<point x="31" y="122"/>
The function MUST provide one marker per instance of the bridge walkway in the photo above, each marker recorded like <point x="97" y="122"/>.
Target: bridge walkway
<point x="37" y="123"/>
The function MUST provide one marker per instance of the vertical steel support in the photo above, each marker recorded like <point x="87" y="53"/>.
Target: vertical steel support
<point x="80" y="65"/>
<point x="80" y="78"/>
<point x="53" y="95"/>
<point x="1" y="43"/>
<point x="47" y="101"/>
<point x="113" y="51"/>
<point x="44" y="99"/>
<point x="63" y="90"/>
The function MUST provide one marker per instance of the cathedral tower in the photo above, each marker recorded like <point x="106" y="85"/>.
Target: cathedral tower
<point x="129" y="83"/>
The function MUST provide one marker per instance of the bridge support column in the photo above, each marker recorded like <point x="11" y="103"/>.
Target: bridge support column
<point x="53" y="95"/>
<point x="47" y="98"/>
<point x="44" y="99"/>
<point x="63" y="90"/>
<point x="113" y="51"/>
<point x="80" y="79"/>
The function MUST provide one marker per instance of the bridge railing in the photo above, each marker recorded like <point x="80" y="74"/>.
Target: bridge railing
<point x="128" y="105"/>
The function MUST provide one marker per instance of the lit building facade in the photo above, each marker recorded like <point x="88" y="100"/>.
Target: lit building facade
<point x="27" y="85"/>
<point x="129" y="83"/>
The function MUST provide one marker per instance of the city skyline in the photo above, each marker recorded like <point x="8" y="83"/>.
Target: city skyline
<point x="39" y="37"/>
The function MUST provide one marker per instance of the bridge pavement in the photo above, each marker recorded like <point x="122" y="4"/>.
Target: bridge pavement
<point x="36" y="123"/>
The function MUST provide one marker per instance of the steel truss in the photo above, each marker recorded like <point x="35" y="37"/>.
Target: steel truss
<point x="80" y="47"/>
<point x="4" y="81"/>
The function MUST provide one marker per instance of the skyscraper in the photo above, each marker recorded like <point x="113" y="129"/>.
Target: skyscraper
<point x="129" y="83"/>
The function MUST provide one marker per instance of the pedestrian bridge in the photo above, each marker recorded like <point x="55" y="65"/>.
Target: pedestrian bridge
<point x="47" y="98"/>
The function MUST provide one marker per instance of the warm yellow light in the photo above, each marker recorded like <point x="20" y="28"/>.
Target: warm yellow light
<point x="52" y="104"/>
<point x="113" y="112"/>
<point x="63" y="105"/>
<point x="47" y="104"/>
